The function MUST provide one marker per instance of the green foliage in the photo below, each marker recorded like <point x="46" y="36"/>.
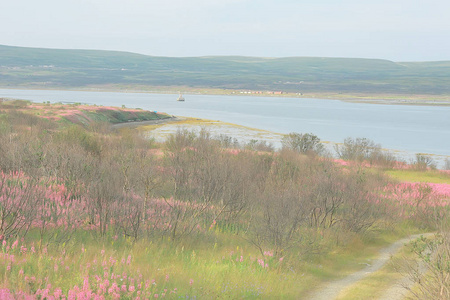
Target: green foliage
<point x="14" y="104"/>
<point x="79" y="68"/>
<point x="434" y="256"/>
<point x="79" y="136"/>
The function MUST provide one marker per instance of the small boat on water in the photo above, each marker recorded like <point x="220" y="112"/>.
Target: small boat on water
<point x="180" y="98"/>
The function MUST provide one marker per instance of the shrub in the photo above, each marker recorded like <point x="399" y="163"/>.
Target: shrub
<point x="360" y="149"/>
<point x="447" y="164"/>
<point x="302" y="143"/>
<point x="257" y="145"/>
<point x="433" y="255"/>
<point x="423" y="162"/>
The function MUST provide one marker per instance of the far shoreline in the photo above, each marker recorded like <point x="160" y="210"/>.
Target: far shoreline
<point x="383" y="99"/>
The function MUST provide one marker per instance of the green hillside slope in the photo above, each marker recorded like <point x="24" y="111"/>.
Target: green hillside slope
<point x="34" y="67"/>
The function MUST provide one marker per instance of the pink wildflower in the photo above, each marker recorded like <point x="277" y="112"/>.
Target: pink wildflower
<point x="57" y="293"/>
<point x="14" y="245"/>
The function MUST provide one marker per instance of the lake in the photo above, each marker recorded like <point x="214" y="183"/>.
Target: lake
<point x="412" y="129"/>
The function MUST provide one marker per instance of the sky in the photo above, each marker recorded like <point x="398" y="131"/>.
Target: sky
<point x="398" y="30"/>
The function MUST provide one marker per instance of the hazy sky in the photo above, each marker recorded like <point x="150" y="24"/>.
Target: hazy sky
<point x="399" y="30"/>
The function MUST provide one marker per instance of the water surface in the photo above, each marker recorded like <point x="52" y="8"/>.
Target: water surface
<point x="414" y="129"/>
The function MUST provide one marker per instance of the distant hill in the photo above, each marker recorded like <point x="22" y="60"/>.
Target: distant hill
<point x="54" y="68"/>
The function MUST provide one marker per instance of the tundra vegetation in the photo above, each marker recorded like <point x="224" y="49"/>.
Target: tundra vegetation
<point x="341" y="78"/>
<point x="88" y="212"/>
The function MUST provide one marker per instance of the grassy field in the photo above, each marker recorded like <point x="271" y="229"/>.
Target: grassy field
<point x="420" y="176"/>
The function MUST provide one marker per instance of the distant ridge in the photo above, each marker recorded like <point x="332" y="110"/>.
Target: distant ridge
<point x="57" y="68"/>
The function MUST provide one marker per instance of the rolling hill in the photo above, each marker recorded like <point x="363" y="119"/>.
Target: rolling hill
<point x="55" y="68"/>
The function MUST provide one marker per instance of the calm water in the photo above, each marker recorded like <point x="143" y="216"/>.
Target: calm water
<point x="414" y="129"/>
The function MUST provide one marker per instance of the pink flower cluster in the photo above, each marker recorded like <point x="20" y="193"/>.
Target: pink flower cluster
<point x="105" y="277"/>
<point x="419" y="194"/>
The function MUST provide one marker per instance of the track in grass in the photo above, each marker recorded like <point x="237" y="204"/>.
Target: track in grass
<point x="333" y="289"/>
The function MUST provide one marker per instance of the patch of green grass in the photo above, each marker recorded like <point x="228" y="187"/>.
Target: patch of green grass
<point x="431" y="176"/>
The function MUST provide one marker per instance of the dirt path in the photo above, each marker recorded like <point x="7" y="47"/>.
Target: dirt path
<point x="333" y="289"/>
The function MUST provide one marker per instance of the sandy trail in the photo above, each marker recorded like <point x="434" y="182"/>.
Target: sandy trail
<point x="397" y="291"/>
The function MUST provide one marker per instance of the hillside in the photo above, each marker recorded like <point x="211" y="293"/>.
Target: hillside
<point x="54" y="68"/>
<point x="76" y="113"/>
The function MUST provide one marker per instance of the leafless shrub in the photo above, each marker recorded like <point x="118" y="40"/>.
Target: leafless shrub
<point x="257" y="145"/>
<point x="326" y="196"/>
<point x="358" y="149"/>
<point x="283" y="214"/>
<point x="227" y="141"/>
<point x="181" y="139"/>
<point x="204" y="177"/>
<point x="302" y="143"/>
<point x="423" y="162"/>
<point x="18" y="199"/>
<point x="447" y="164"/>
<point x="105" y="192"/>
<point x="383" y="159"/>
<point x="361" y="210"/>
